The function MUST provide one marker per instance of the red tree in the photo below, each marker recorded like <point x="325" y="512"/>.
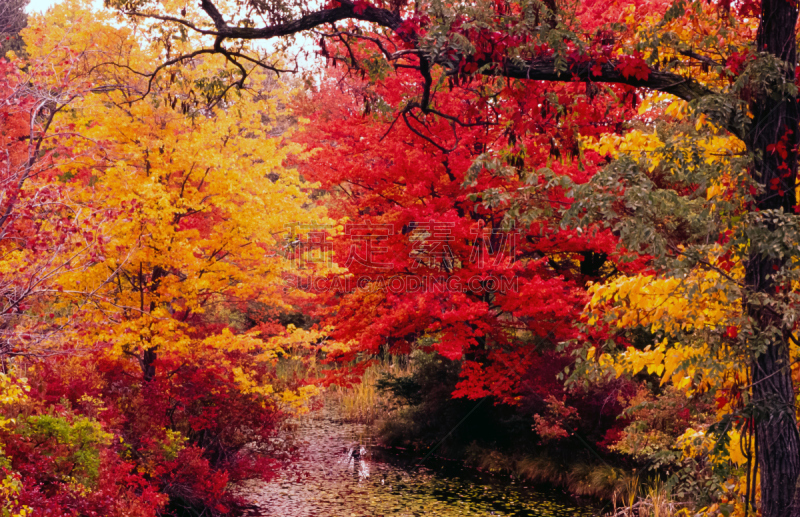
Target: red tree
<point x="428" y="199"/>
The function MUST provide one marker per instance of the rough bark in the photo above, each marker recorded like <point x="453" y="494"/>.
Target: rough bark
<point x="774" y="119"/>
<point x="544" y="69"/>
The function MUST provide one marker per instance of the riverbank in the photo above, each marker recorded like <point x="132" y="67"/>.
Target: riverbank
<point x="591" y="481"/>
<point x="409" y="404"/>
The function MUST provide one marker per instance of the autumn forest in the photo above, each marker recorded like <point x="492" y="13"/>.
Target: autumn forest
<point x="392" y="257"/>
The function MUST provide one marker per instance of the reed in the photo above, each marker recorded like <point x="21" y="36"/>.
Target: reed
<point x="363" y="402"/>
<point x="654" y="501"/>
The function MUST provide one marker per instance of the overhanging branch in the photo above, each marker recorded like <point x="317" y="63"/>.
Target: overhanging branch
<point x="306" y="22"/>
<point x="544" y="69"/>
<point x="535" y="69"/>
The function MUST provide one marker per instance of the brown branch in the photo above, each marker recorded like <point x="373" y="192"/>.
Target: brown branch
<point x="407" y="112"/>
<point x="699" y="57"/>
<point x="536" y="69"/>
<point x="309" y="21"/>
<point x="181" y="21"/>
<point x="544" y="69"/>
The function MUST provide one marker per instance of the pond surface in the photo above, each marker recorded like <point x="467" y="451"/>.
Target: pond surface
<point x="338" y="472"/>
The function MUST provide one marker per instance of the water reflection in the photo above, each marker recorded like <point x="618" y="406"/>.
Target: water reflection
<point x="356" y="461"/>
<point x="339" y="472"/>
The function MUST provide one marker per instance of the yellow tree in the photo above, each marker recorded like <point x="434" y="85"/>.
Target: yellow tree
<point x="140" y="218"/>
<point x="691" y="319"/>
<point x="200" y="195"/>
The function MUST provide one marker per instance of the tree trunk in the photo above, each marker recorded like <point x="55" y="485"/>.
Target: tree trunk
<point x="774" y="121"/>
<point x="779" y="449"/>
<point x="148" y="364"/>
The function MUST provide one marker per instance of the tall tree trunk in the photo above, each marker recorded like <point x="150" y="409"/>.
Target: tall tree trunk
<point x="774" y="120"/>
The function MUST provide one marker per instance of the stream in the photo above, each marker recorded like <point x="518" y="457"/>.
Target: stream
<point x="327" y="479"/>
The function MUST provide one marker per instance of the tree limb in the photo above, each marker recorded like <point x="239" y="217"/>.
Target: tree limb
<point x="536" y="69"/>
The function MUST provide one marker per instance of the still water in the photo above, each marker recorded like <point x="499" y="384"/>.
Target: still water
<point x="338" y="472"/>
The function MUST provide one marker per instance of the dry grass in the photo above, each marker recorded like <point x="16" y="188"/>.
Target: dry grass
<point x="654" y="500"/>
<point x="586" y="479"/>
<point x="364" y="403"/>
<point x="580" y="478"/>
